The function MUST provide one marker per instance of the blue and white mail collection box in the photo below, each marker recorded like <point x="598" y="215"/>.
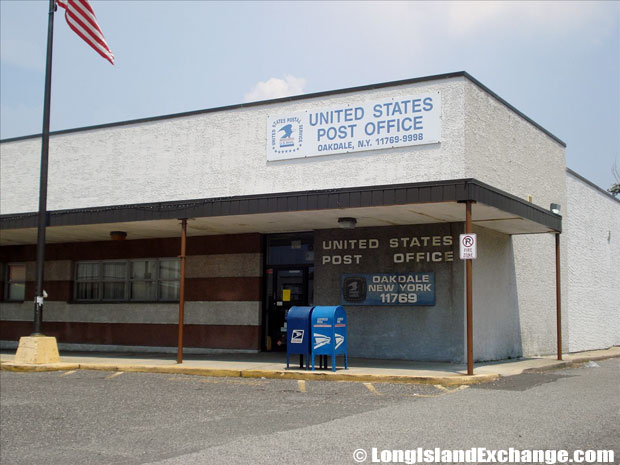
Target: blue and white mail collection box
<point x="298" y="334"/>
<point x="329" y="333"/>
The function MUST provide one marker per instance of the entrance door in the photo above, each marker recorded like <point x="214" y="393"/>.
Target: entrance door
<point x="289" y="287"/>
<point x="289" y="280"/>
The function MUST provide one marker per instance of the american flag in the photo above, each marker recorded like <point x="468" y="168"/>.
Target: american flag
<point x="81" y="18"/>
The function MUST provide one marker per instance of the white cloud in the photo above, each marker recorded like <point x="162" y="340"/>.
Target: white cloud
<point x="425" y="24"/>
<point x="276" y="88"/>
<point x="593" y="20"/>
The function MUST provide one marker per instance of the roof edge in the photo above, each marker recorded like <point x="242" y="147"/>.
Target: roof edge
<point x="514" y="109"/>
<point x="292" y="98"/>
<point x="420" y="192"/>
<point x="591" y="184"/>
<point x="346" y="90"/>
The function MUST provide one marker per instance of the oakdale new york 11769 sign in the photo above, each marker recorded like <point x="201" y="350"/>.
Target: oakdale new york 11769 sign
<point x="388" y="289"/>
<point x="379" y="124"/>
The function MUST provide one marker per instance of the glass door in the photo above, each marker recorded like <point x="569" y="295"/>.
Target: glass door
<point x="289" y="279"/>
<point x="289" y="288"/>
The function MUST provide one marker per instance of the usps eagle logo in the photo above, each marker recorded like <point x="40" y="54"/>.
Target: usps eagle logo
<point x="287" y="135"/>
<point x="297" y="337"/>
<point x="286" y="140"/>
<point x="321" y="340"/>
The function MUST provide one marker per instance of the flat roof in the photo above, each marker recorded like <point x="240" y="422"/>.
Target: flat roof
<point x="591" y="184"/>
<point x="435" y="77"/>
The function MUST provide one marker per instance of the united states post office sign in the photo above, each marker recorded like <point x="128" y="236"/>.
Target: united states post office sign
<point x="378" y="124"/>
<point x="388" y="289"/>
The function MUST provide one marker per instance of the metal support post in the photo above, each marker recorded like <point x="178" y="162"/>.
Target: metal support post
<point x="558" y="295"/>
<point x="468" y="273"/>
<point x="182" y="289"/>
<point x="42" y="217"/>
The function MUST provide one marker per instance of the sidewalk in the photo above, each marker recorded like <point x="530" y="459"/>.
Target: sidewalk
<point x="273" y="365"/>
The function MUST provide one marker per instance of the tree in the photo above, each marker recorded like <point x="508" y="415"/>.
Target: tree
<point x="615" y="187"/>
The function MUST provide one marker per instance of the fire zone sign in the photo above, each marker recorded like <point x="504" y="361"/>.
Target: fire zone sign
<point x="468" y="246"/>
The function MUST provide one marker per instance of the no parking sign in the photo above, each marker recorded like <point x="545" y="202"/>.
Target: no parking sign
<point x="468" y="246"/>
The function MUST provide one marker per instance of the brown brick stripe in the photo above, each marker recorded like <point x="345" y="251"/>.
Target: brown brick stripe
<point x="140" y="248"/>
<point x="154" y="335"/>
<point x="223" y="289"/>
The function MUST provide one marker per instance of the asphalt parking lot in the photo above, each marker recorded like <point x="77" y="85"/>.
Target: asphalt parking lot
<point x="97" y="417"/>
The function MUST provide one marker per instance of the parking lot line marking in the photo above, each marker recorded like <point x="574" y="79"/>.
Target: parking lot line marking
<point x="246" y="382"/>
<point x="302" y="385"/>
<point x="372" y="389"/>
<point x="68" y="373"/>
<point x="450" y="391"/>
<point x="196" y="379"/>
<point x="114" y="375"/>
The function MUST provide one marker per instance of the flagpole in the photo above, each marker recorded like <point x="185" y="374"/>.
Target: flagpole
<point x="42" y="220"/>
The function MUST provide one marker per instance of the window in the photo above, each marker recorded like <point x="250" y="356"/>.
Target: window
<point x="290" y="249"/>
<point x="87" y="281"/>
<point x="114" y="280"/>
<point x="169" y="273"/>
<point x="144" y="280"/>
<point x="16" y="282"/>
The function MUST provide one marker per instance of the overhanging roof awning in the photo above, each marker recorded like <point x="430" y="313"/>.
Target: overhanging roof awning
<point x="413" y="203"/>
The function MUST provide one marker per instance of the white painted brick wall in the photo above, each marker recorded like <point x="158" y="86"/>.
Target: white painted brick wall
<point x="219" y="154"/>
<point x="495" y="304"/>
<point x="507" y="152"/>
<point x="592" y="241"/>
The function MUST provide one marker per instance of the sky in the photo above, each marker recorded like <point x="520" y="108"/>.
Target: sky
<point x="557" y="62"/>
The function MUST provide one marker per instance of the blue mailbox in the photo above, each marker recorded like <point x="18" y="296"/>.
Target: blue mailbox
<point x="329" y="333"/>
<point x="298" y="334"/>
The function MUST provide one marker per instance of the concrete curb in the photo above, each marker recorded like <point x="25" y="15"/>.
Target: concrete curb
<point x="595" y="358"/>
<point x="24" y="367"/>
<point x="166" y="369"/>
<point x="341" y="375"/>
<point x="247" y="373"/>
<point x="361" y="377"/>
<point x="559" y="364"/>
<point x="172" y="369"/>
